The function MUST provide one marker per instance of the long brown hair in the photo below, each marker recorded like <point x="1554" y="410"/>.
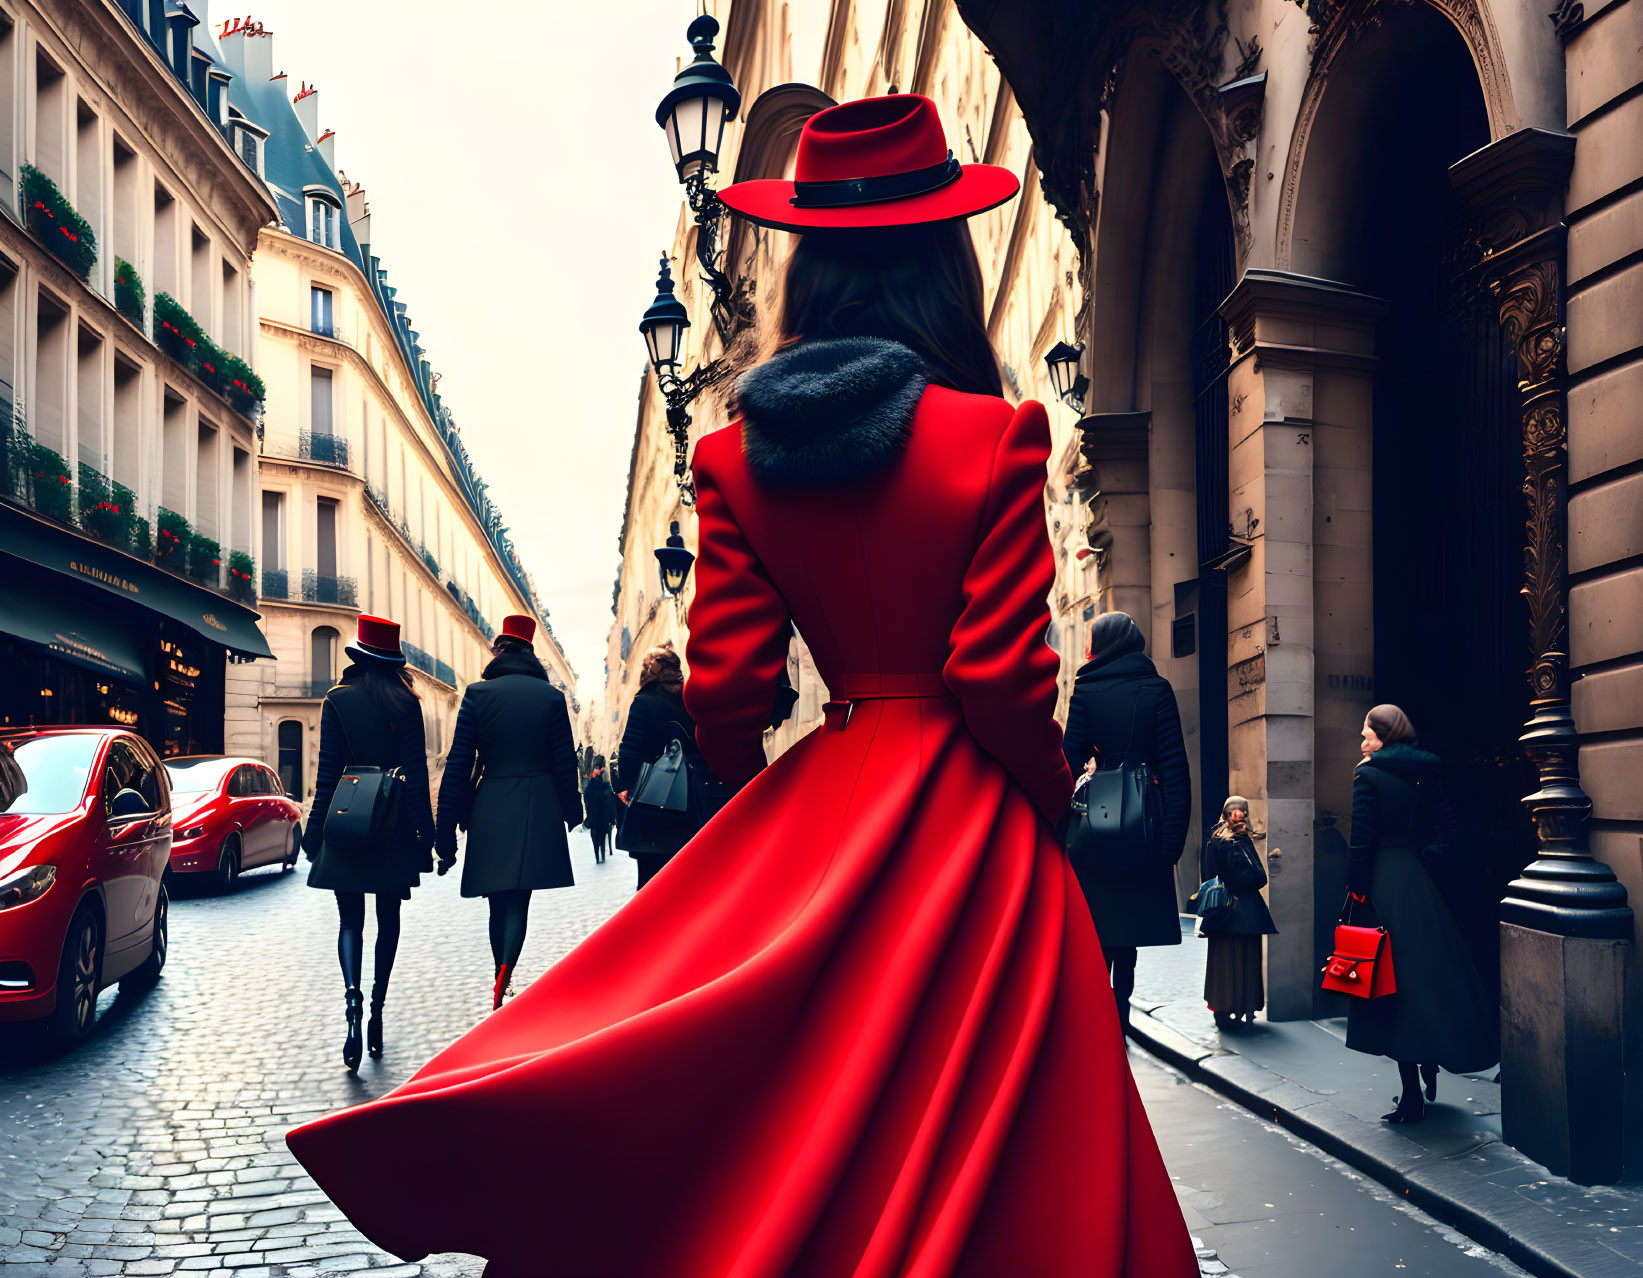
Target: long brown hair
<point x="917" y="285"/>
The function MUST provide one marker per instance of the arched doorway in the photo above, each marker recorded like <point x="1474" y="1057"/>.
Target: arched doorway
<point x="1376" y="210"/>
<point x="290" y="757"/>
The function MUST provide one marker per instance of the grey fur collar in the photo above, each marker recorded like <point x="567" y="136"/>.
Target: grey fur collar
<point x="829" y="411"/>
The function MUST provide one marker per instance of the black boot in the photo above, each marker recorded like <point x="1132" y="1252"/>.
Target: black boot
<point x="373" y="1027"/>
<point x="1429" y="1075"/>
<point x="354" y="1002"/>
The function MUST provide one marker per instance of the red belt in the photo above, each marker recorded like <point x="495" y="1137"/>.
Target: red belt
<point x="851" y="688"/>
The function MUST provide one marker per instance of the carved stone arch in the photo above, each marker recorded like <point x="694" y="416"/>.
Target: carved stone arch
<point x="1337" y="25"/>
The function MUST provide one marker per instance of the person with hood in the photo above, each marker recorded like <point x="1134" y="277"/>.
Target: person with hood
<point x="510" y="781"/>
<point x="1440" y="1015"/>
<point x="657" y="717"/>
<point x="600" y="806"/>
<point x="1233" y="985"/>
<point x="371" y="719"/>
<point x="1122" y="708"/>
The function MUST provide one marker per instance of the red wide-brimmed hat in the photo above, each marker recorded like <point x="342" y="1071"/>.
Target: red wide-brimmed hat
<point x="378" y="640"/>
<point x="519" y="627"/>
<point x="874" y="162"/>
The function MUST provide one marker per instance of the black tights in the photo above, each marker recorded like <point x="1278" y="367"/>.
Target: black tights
<point x="1121" y="962"/>
<point x="509" y="913"/>
<point x="351" y="940"/>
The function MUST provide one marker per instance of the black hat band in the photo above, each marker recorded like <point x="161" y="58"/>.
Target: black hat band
<point x="847" y="192"/>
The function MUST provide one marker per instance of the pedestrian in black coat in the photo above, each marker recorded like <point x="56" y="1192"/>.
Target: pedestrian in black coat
<point x="1440" y="1014"/>
<point x="656" y="717"/>
<point x="1122" y="707"/>
<point x="1233" y="984"/>
<point x="510" y="781"/>
<point x="599" y="805"/>
<point x="371" y="719"/>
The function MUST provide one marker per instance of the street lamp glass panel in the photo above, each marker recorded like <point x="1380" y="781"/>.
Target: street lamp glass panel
<point x="664" y="339"/>
<point x="690" y="126"/>
<point x="1062" y="360"/>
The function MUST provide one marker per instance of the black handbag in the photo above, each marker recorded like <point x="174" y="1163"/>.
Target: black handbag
<point x="364" y="813"/>
<point x="1117" y="816"/>
<point x="364" y="809"/>
<point x="664" y="806"/>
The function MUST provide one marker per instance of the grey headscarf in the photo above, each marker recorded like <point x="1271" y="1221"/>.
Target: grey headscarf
<point x="1391" y="725"/>
<point x="1222" y="830"/>
<point x="1115" y="634"/>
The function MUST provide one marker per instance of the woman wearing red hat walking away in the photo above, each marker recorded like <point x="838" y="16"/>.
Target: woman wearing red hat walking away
<point x="860" y="1023"/>
<point x="510" y="781"/>
<point x="371" y="719"/>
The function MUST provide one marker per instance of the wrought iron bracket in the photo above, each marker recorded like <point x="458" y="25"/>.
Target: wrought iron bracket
<point x="709" y="214"/>
<point x="678" y="392"/>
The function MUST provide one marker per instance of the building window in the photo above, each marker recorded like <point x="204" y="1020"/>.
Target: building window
<point x="322" y="222"/>
<point x="320" y="299"/>
<point x="323" y="658"/>
<point x="319" y="383"/>
<point x="290" y="757"/>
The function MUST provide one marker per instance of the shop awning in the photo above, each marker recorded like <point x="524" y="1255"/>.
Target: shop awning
<point x="59" y="549"/>
<point x="87" y="637"/>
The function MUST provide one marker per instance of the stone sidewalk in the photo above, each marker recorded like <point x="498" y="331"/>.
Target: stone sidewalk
<point x="1454" y="1165"/>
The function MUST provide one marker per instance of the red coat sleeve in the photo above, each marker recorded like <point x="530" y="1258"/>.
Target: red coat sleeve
<point x="739" y="633"/>
<point x="1000" y="667"/>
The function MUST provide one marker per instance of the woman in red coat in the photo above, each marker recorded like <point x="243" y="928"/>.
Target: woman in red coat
<point x="860" y="1024"/>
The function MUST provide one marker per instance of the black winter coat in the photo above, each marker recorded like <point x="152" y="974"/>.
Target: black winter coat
<point x="654" y="719"/>
<point x="1233" y="859"/>
<point x="356" y="730"/>
<point x="1109" y="696"/>
<point x="510" y="779"/>
<point x="1441" y="1013"/>
<point x="599" y="803"/>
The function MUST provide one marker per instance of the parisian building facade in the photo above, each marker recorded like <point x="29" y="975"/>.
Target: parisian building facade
<point x="367" y="499"/>
<point x="129" y="411"/>
<point x="1357" y="283"/>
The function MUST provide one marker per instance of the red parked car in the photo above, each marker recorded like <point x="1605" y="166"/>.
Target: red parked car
<point x="85" y="838"/>
<point x="229" y="815"/>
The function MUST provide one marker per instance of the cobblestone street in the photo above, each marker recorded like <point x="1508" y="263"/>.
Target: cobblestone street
<point x="158" y="1146"/>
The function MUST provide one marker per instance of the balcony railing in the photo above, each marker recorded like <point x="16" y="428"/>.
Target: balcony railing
<point x="321" y="589"/>
<point x="319" y="448"/>
<point x="444" y="673"/>
<point x="299" y="690"/>
<point x="276" y="583"/>
<point x="418" y="658"/>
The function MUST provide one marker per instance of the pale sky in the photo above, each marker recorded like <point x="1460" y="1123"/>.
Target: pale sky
<point x="520" y="194"/>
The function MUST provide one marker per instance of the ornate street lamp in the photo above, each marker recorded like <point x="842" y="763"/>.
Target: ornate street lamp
<point x="694" y="113"/>
<point x="1070" y="384"/>
<point x="664" y="328"/>
<point x="674" y="562"/>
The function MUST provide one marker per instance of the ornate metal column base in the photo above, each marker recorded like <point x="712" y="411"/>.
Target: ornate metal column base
<point x="1564" y="891"/>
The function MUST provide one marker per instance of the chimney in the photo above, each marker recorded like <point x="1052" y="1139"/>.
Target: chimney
<point x="359" y="211"/>
<point x="306" y="104"/>
<point x="248" y="49"/>
<point x="326" y="145"/>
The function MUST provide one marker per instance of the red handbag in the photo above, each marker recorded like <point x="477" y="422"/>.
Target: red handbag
<point x="1362" y="962"/>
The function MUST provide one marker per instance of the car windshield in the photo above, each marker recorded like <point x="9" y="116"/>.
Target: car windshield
<point x="44" y="775"/>
<point x="196" y="776"/>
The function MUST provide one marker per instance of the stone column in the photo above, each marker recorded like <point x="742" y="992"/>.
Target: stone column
<point x="1300" y="412"/>
<point x="1565" y="924"/>
<point x="1114" y="483"/>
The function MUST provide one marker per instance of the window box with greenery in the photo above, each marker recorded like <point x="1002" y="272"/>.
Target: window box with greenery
<point x="245" y="389"/>
<point x="172" y="540"/>
<point x="175" y="330"/>
<point x="129" y="297"/>
<point x="52" y="219"/>
<point x="142" y="539"/>
<point x="204" y="560"/>
<point x="105" y="508"/>
<point x="53" y="485"/>
<point x="242" y="577"/>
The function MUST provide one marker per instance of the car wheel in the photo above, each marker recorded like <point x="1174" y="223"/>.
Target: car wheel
<point x="295" y="852"/>
<point x="228" y="863"/>
<point x="154" y="964"/>
<point x="78" y="974"/>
